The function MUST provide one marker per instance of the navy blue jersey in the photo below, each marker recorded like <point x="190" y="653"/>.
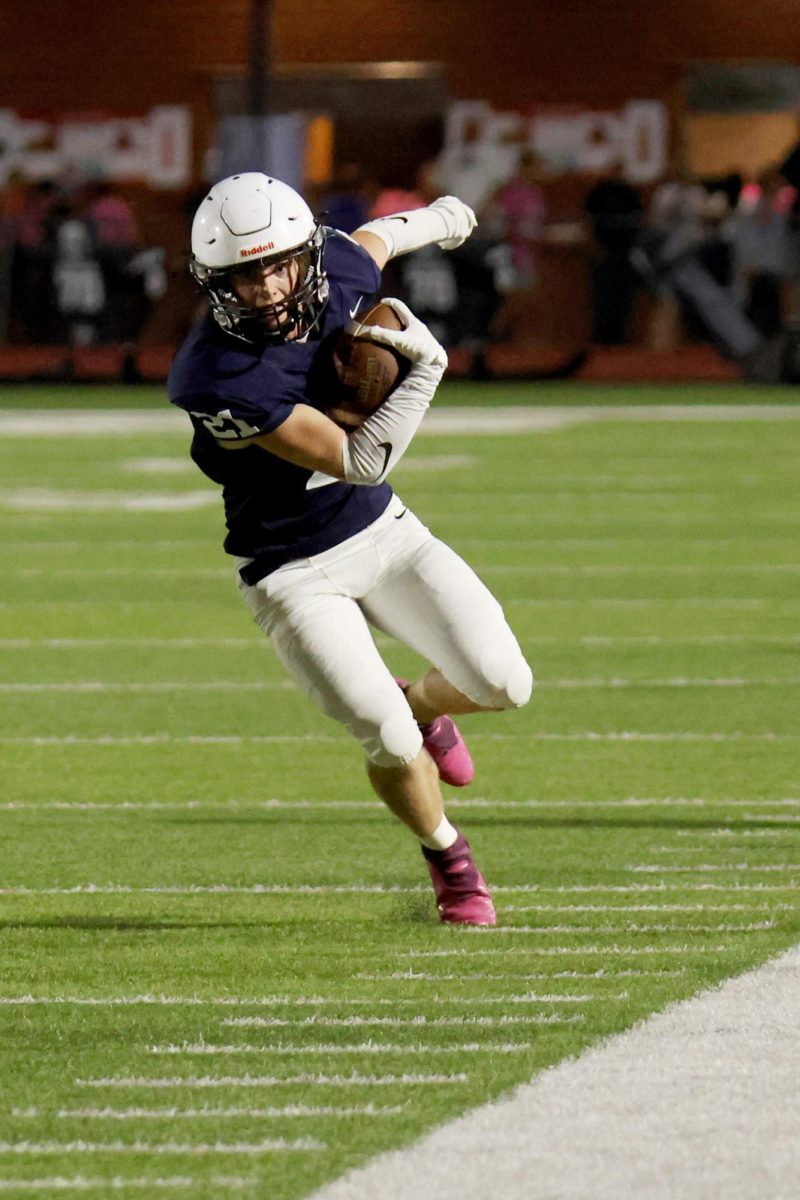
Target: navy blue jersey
<point x="232" y="390"/>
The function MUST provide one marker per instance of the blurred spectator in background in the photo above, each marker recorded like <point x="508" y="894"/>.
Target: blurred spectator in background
<point x="78" y="284"/>
<point x="347" y="206"/>
<point x="35" y="214"/>
<point x="516" y="214"/>
<point x="684" y="218"/>
<point x="31" y="297"/>
<point x="110" y="216"/>
<point x="394" y="198"/>
<point x="615" y="211"/>
<point x="135" y="276"/>
<point x="515" y="217"/>
<point x="13" y="198"/>
<point x="79" y="272"/>
<point x="115" y="235"/>
<point x="425" y="279"/>
<point x="458" y="293"/>
<point x="475" y="166"/>
<point x="12" y="202"/>
<point x="764" y="251"/>
<point x="483" y="278"/>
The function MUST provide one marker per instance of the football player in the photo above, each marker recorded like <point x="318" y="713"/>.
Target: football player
<point x="323" y="547"/>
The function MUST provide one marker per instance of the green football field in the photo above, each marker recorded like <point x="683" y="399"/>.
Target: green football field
<point x="222" y="972"/>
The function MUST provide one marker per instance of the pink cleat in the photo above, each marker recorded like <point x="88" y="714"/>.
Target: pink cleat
<point x="443" y="741"/>
<point x="462" y="896"/>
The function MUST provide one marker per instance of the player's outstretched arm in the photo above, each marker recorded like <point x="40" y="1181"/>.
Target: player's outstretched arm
<point x="365" y="456"/>
<point x="447" y="222"/>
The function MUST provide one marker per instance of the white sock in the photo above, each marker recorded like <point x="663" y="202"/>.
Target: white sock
<point x="443" y="836"/>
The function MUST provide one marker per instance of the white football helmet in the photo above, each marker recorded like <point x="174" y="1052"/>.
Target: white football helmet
<point x="245" y="223"/>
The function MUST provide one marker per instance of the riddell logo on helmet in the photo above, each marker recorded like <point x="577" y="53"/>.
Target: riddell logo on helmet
<point x="257" y="250"/>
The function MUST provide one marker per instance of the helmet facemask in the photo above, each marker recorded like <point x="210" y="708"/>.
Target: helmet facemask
<point x="262" y="324"/>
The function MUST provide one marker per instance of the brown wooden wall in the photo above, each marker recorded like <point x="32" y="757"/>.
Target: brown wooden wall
<point x="128" y="55"/>
<point x="72" y="54"/>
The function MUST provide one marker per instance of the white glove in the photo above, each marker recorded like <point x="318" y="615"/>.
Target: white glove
<point x="415" y="341"/>
<point x="459" y="219"/>
<point x="370" y="451"/>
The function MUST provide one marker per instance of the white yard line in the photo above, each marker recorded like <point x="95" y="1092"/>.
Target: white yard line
<point x="400" y="1022"/>
<point x="376" y="1001"/>
<point x="739" y="834"/>
<point x="83" y="1183"/>
<point x="660" y="603"/>
<point x="647" y="888"/>
<point x="644" y="908"/>
<point x="628" y="927"/>
<point x="723" y="847"/>
<point x="661" y="868"/>
<point x="269" y="1081"/>
<point x="233" y="643"/>
<point x="268" y="1146"/>
<point x="468" y="1002"/>
<point x="89" y="686"/>
<point x="208" y="1112"/>
<point x="280" y="1048"/>
<point x="711" y="639"/>
<point x="273" y="1002"/>
<point x="97" y="686"/>
<point x="679" y="681"/>
<point x="628" y="802"/>
<point x="641" y="602"/>
<point x="28" y="500"/>
<point x="162" y="739"/>
<point x="480" y="802"/>
<point x="602" y="951"/>
<point x="593" y="570"/>
<point x="177" y="643"/>
<point x="159" y="466"/>
<point x="188" y="543"/>
<point x="219" y="889"/>
<point x="412" y="976"/>
<point x="700" y="1101"/>
<point x="122" y="572"/>
<point x="464" y="420"/>
<point x="538" y="569"/>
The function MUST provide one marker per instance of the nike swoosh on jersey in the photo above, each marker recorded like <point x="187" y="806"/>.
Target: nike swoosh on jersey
<point x="354" y="309"/>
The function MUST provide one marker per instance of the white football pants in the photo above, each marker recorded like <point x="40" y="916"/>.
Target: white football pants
<point x="399" y="578"/>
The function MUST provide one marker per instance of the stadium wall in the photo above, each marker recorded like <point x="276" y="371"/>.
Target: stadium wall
<point x="92" y="56"/>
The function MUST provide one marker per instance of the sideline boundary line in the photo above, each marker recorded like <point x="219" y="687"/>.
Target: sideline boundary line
<point x="660" y="1094"/>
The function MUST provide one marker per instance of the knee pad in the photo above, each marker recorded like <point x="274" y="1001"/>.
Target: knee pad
<point x="507" y="678"/>
<point x="395" y="743"/>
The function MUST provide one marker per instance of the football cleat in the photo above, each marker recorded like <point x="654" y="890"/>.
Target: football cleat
<point x="446" y="746"/>
<point x="462" y="896"/>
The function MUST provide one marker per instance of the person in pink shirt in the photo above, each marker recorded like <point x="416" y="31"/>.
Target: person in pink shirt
<point x="516" y="216"/>
<point x="111" y="217"/>
<point x="516" y="213"/>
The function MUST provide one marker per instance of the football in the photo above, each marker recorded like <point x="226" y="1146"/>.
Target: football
<point x="365" y="372"/>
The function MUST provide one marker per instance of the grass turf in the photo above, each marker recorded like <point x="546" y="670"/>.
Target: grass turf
<point x="222" y="970"/>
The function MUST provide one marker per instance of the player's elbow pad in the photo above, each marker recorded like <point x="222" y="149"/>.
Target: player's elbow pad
<point x="370" y="452"/>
